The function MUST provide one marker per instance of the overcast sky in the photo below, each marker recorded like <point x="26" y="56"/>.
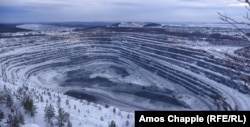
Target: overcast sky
<point x="118" y="10"/>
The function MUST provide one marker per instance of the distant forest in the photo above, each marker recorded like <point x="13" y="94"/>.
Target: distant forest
<point x="10" y="28"/>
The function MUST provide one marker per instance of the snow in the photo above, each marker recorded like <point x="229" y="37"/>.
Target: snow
<point x="218" y="51"/>
<point x="218" y="25"/>
<point x="131" y="24"/>
<point x="43" y="27"/>
<point x="30" y="125"/>
<point x="43" y="77"/>
<point x="90" y="113"/>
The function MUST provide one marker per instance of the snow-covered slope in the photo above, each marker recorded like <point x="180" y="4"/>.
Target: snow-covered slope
<point x="160" y="70"/>
<point x="43" y="27"/>
<point x="82" y="112"/>
<point x="138" y="25"/>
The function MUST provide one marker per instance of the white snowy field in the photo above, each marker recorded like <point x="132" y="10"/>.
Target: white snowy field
<point x="82" y="113"/>
<point x="106" y="75"/>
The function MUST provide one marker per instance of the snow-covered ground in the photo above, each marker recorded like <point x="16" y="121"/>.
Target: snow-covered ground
<point x="43" y="27"/>
<point x="218" y="51"/>
<point x="82" y="113"/>
<point x="125" y="70"/>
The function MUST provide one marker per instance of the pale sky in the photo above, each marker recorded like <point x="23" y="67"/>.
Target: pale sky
<point x="118" y="10"/>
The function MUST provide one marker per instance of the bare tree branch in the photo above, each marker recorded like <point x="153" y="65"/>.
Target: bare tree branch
<point x="242" y="58"/>
<point x="245" y="1"/>
<point x="232" y="22"/>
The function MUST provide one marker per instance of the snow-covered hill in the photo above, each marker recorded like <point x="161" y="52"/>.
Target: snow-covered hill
<point x="138" y="25"/>
<point x="43" y="27"/>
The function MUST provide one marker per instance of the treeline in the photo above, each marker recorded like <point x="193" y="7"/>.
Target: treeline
<point x="9" y="28"/>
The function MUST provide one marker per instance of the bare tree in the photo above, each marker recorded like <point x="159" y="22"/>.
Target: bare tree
<point x="242" y="59"/>
<point x="235" y="23"/>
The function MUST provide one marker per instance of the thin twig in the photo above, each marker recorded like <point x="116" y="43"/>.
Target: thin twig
<point x="232" y="22"/>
